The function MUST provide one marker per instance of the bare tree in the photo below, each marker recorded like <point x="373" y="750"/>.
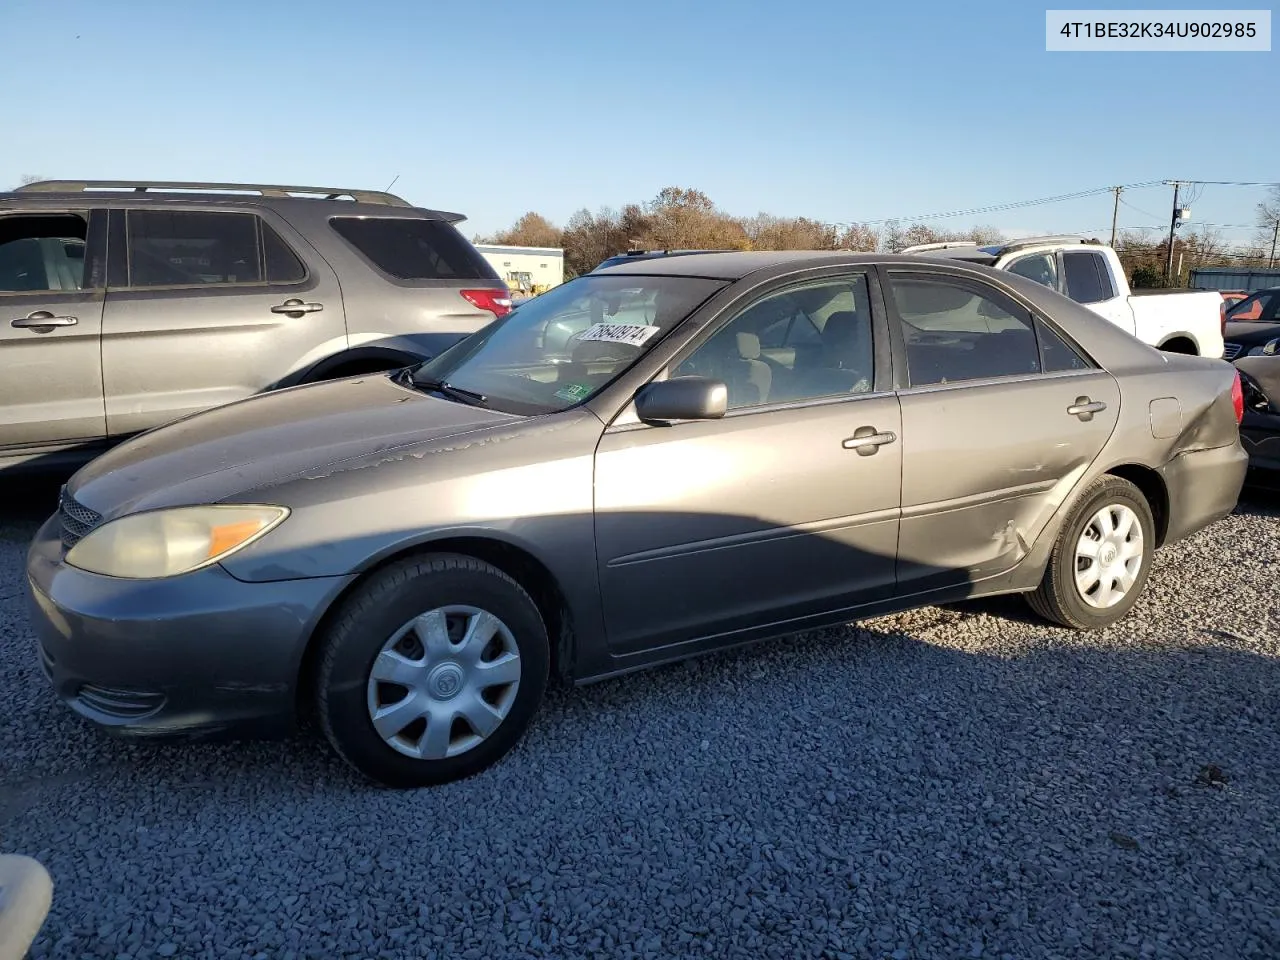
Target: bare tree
<point x="32" y="178"/>
<point x="1269" y="224"/>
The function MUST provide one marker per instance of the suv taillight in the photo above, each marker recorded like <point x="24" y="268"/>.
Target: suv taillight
<point x="496" y="300"/>
<point x="1237" y="398"/>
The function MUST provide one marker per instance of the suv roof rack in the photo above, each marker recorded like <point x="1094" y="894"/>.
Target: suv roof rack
<point x="184" y="186"/>
<point x="946" y="245"/>
<point x="1023" y="242"/>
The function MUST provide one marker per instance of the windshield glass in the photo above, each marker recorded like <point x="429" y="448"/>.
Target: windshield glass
<point x="559" y="349"/>
<point x="1260" y="306"/>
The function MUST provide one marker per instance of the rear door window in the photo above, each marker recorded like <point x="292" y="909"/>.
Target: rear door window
<point x="411" y="248"/>
<point x="192" y="248"/>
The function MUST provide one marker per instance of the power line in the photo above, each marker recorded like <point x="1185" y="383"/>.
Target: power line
<point x="1012" y="205"/>
<point x="1228" y="183"/>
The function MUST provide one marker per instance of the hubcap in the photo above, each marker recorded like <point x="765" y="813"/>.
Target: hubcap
<point x="1109" y="556"/>
<point x="444" y="682"/>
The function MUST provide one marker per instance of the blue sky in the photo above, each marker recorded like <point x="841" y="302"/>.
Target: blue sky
<point x="833" y="109"/>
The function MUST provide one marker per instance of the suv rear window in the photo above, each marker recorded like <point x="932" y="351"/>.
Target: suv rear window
<point x="414" y="249"/>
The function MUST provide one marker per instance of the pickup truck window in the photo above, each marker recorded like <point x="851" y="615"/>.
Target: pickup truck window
<point x="1088" y="279"/>
<point x="1039" y="267"/>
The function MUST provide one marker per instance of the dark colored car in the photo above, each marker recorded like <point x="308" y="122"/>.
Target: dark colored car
<point x="652" y="461"/>
<point x="1260" y="426"/>
<point x="1252" y="324"/>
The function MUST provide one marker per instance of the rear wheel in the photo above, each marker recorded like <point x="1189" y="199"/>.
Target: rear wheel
<point x="355" y="369"/>
<point x="1101" y="559"/>
<point x="432" y="671"/>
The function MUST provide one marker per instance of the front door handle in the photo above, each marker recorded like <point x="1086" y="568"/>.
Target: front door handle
<point x="296" y="308"/>
<point x="43" y="318"/>
<point x="867" y="440"/>
<point x="1084" y="408"/>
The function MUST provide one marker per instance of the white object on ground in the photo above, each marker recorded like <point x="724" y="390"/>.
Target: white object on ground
<point x="26" y="893"/>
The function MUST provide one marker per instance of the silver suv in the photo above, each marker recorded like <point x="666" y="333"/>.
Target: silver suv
<point x="126" y="305"/>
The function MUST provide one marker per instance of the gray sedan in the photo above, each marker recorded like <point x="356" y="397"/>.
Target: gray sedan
<point x="656" y="460"/>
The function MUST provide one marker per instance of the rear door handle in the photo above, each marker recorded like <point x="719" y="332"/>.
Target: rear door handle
<point x="43" y="318"/>
<point x="1084" y="408"/>
<point x="296" y="308"/>
<point x="867" y="440"/>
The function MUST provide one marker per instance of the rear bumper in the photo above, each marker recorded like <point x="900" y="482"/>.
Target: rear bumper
<point x="1204" y="486"/>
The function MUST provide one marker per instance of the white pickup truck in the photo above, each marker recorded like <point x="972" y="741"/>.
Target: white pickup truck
<point x="1179" y="321"/>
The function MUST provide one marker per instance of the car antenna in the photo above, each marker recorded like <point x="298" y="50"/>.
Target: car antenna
<point x="392" y="183"/>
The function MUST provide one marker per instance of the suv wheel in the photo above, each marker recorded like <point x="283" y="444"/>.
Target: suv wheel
<point x="432" y="671"/>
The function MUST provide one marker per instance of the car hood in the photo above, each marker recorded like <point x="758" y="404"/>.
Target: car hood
<point x="1265" y="372"/>
<point x="221" y="452"/>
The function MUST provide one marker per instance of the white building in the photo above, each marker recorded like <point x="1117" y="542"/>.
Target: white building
<point x="526" y="269"/>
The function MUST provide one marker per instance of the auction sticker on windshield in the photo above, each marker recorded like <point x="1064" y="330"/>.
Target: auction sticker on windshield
<point x="633" y="334"/>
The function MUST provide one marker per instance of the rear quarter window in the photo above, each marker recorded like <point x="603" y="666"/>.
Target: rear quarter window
<point x="409" y="248"/>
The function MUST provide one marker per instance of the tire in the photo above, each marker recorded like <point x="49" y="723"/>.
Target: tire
<point x="1059" y="598"/>
<point x="413" y="599"/>
<point x="361" y="368"/>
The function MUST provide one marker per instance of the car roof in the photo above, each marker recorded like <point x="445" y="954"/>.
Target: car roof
<point x="736" y="265"/>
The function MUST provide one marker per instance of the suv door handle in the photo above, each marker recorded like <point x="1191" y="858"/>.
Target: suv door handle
<point x="866" y="440"/>
<point x="43" y="318"/>
<point x="296" y="308"/>
<point x="1084" y="408"/>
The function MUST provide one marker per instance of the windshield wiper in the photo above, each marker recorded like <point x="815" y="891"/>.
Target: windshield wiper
<point x="407" y="378"/>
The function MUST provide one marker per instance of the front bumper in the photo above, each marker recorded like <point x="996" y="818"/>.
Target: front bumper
<point x="1204" y="486"/>
<point x="197" y="655"/>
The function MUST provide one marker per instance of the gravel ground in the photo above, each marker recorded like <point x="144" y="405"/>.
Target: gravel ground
<point x="948" y="783"/>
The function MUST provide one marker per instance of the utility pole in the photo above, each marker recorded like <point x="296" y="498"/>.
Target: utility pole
<point x="1115" y="212"/>
<point x="1173" y="225"/>
<point x="1275" y="232"/>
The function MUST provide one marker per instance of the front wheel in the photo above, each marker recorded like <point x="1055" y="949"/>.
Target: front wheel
<point x="432" y="671"/>
<point x="1101" y="559"/>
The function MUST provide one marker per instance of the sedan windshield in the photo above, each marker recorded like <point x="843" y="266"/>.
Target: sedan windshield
<point x="559" y="349"/>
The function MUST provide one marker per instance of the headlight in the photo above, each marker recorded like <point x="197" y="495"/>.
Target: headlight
<point x="1271" y="347"/>
<point x="166" y="543"/>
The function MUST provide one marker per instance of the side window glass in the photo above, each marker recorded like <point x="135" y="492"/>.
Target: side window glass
<point x="954" y="332"/>
<point x="1040" y="267"/>
<point x="1087" y="277"/>
<point x="181" y="248"/>
<point x="800" y="344"/>
<point x="1056" y="355"/>
<point x="43" y="253"/>
<point x="283" y="265"/>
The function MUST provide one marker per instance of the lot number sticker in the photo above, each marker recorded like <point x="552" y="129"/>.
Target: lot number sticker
<point x="631" y="334"/>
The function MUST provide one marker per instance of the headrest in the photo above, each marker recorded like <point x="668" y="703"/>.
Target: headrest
<point x="841" y="325"/>
<point x="748" y="346"/>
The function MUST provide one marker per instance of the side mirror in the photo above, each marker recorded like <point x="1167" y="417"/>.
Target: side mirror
<point x="682" y="398"/>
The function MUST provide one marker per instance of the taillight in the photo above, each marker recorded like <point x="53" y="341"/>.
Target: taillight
<point x="1237" y="398"/>
<point x="496" y="301"/>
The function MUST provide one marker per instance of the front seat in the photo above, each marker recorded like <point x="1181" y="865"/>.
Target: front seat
<point x="845" y="358"/>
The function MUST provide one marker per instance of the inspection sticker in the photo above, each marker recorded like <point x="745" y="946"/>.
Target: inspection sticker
<point x="574" y="392"/>
<point x="633" y="334"/>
